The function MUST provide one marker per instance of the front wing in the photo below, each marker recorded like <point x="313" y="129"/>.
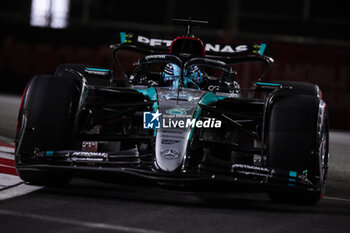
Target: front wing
<point x="210" y="170"/>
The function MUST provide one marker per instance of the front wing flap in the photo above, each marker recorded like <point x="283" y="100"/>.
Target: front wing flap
<point x="131" y="163"/>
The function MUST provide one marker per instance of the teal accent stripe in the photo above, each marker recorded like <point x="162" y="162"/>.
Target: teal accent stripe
<point x="122" y="37"/>
<point x="49" y="153"/>
<point x="97" y="69"/>
<point x="151" y="93"/>
<point x="292" y="174"/>
<point x="268" y="84"/>
<point x="210" y="97"/>
<point x="262" y="49"/>
<point x="221" y="97"/>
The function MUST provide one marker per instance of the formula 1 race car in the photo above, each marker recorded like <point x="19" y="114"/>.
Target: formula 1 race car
<point x="177" y="117"/>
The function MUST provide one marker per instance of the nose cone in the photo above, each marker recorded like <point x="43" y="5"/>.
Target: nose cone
<point x="171" y="145"/>
<point x="172" y="137"/>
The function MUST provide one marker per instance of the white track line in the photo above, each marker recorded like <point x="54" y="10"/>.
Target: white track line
<point x="337" y="199"/>
<point x="8" y="181"/>
<point x="7" y="149"/>
<point x="7" y="156"/>
<point x="17" y="189"/>
<point x="96" y="225"/>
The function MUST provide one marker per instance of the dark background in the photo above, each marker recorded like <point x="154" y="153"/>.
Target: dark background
<point x="311" y="38"/>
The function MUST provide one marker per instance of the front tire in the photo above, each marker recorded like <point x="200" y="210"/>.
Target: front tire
<point x="45" y="122"/>
<point x="298" y="139"/>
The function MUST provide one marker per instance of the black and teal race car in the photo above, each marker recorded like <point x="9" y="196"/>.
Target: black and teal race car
<point x="170" y="129"/>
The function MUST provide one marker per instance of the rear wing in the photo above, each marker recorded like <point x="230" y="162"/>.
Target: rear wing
<point x="231" y="54"/>
<point x="228" y="53"/>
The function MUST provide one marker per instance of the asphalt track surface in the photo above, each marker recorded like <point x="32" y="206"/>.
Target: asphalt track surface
<point x="91" y="206"/>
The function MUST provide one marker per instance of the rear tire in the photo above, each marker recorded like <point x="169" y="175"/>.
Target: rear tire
<point x="45" y="122"/>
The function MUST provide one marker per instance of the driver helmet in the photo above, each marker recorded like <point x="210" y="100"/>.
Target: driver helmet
<point x="171" y="75"/>
<point x="194" y="74"/>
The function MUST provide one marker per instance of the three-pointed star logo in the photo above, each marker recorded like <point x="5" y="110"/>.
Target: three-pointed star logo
<point x="156" y="115"/>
